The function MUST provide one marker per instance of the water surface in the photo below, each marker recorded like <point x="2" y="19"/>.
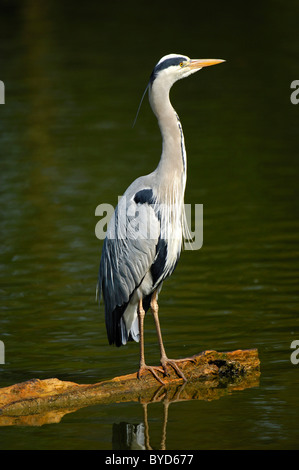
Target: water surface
<point x="73" y="79"/>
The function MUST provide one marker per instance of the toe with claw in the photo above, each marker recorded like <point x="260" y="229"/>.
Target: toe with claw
<point x="153" y="370"/>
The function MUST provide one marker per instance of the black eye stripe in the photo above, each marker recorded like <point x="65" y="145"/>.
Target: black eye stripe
<point x="169" y="62"/>
<point x="165" y="64"/>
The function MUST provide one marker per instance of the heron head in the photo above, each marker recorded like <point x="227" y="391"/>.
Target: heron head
<point x="173" y="67"/>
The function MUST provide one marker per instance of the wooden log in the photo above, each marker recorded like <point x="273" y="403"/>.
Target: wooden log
<point x="210" y="375"/>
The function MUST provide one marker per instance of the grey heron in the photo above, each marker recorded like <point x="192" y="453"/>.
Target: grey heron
<point x="144" y="237"/>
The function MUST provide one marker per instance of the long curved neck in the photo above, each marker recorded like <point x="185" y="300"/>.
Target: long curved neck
<point x="173" y="162"/>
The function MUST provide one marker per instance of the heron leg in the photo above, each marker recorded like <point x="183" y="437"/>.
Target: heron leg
<point x="142" y="365"/>
<point x="164" y="359"/>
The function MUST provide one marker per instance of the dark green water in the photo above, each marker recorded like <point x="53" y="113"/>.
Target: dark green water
<point x="73" y="77"/>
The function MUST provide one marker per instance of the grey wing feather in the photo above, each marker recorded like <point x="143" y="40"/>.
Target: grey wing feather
<point x="128" y="253"/>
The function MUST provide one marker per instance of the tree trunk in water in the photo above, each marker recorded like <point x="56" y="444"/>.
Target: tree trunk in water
<point x="210" y="375"/>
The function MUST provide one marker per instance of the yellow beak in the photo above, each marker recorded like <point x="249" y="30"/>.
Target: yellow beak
<point x="199" y="63"/>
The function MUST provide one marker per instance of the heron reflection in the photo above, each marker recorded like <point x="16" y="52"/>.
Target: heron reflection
<point x="128" y="436"/>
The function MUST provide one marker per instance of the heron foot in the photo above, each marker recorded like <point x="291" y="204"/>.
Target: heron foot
<point x="173" y="363"/>
<point x="153" y="370"/>
<point x="191" y="359"/>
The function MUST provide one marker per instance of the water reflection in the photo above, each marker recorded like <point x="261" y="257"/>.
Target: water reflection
<point x="72" y="89"/>
<point x="53" y="408"/>
<point x="131" y="436"/>
<point x="128" y="436"/>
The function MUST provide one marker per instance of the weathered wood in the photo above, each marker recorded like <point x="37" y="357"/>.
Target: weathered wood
<point x="210" y="375"/>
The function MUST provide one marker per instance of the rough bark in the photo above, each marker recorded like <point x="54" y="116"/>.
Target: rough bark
<point x="210" y="375"/>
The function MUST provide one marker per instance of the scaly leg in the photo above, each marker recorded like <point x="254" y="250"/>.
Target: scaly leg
<point x="164" y="359"/>
<point x="142" y="365"/>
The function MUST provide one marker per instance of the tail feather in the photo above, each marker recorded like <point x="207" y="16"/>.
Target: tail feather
<point x="122" y="324"/>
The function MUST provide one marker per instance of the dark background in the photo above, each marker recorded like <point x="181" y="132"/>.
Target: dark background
<point x="74" y="73"/>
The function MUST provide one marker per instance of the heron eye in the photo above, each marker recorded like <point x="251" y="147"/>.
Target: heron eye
<point x="181" y="64"/>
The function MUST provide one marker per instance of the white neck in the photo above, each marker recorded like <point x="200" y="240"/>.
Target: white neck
<point x="173" y="163"/>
